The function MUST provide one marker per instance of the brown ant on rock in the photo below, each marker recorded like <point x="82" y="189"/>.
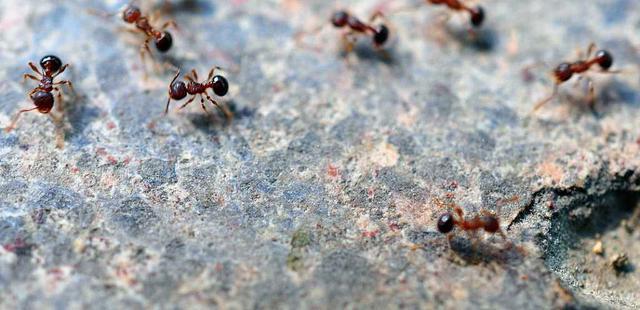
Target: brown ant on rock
<point x="162" y="39"/>
<point x="476" y="14"/>
<point x="354" y="27"/>
<point x="178" y="90"/>
<point x="42" y="96"/>
<point x="564" y="71"/>
<point x="487" y="221"/>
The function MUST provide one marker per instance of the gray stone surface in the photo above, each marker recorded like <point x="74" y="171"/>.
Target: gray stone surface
<point x="322" y="192"/>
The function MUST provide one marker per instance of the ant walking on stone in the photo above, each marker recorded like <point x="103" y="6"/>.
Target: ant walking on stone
<point x="354" y="28"/>
<point x="162" y="39"/>
<point x="564" y="71"/>
<point x="42" y="96"/>
<point x="455" y="217"/>
<point x="476" y="13"/>
<point x="178" y="90"/>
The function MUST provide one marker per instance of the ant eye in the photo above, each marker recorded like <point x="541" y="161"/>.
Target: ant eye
<point x="339" y="19"/>
<point x="220" y="85"/>
<point x="178" y="90"/>
<point x="445" y="223"/>
<point x="563" y="72"/>
<point x="381" y="35"/>
<point x="131" y="14"/>
<point x="477" y="16"/>
<point x="50" y="63"/>
<point x="164" y="43"/>
<point x="605" y="60"/>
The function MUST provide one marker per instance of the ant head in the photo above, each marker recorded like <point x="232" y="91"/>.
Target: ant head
<point x="43" y="101"/>
<point x="604" y="58"/>
<point x="164" y="42"/>
<point x="131" y="13"/>
<point x="177" y="90"/>
<point x="563" y="72"/>
<point x="340" y="19"/>
<point x="381" y="35"/>
<point x="445" y="223"/>
<point x="220" y="85"/>
<point x="477" y="16"/>
<point x="50" y="63"/>
<point x="491" y="223"/>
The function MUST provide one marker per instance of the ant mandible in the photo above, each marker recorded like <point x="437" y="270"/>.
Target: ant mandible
<point x="178" y="90"/>
<point x="41" y="95"/>
<point x="564" y="71"/>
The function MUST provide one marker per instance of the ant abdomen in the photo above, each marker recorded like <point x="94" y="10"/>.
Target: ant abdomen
<point x="131" y="14"/>
<point x="563" y="72"/>
<point x="43" y="101"/>
<point x="178" y="90"/>
<point x="340" y="19"/>
<point x="164" y="42"/>
<point x="490" y="224"/>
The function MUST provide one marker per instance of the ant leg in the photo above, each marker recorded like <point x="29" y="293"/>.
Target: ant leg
<point x="99" y="13"/>
<point x="166" y="109"/>
<point x="29" y="76"/>
<point x="171" y="23"/>
<point x="68" y="84"/>
<point x="187" y="103"/>
<point x="299" y="36"/>
<point x="224" y="110"/>
<point x="591" y="98"/>
<point x="35" y="69"/>
<point x="212" y="71"/>
<point x="590" y="49"/>
<point x="58" y="122"/>
<point x="194" y="74"/>
<point x="15" y="119"/>
<point x="546" y="100"/>
<point x="61" y="70"/>
<point x="60" y="103"/>
<point x="348" y="41"/>
<point x="377" y="14"/>
<point x="203" y="106"/>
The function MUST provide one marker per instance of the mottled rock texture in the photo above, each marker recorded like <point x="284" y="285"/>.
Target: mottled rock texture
<point x="323" y="191"/>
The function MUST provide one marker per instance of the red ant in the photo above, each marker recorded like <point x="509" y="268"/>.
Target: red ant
<point x="41" y="95"/>
<point x="476" y="14"/>
<point x="178" y="90"/>
<point x="342" y="19"/>
<point x="487" y="221"/>
<point x="161" y="38"/>
<point x="564" y="71"/>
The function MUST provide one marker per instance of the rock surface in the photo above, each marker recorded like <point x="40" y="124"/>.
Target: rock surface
<point x="323" y="192"/>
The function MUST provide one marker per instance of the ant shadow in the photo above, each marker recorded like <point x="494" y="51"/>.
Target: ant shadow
<point x="191" y="7"/>
<point x="79" y="115"/>
<point x="214" y="120"/>
<point x="484" y="252"/>
<point x="610" y="93"/>
<point x="365" y="52"/>
<point x="482" y="40"/>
